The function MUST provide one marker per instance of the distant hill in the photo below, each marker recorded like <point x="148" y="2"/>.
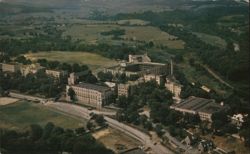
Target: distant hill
<point x="46" y="3"/>
<point x="106" y="6"/>
<point x="14" y="8"/>
<point x="122" y="5"/>
<point x="111" y="7"/>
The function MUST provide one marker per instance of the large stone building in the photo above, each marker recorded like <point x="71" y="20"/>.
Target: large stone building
<point x="201" y="106"/>
<point x="123" y="89"/>
<point x="127" y="89"/>
<point x="155" y="77"/>
<point x="57" y="73"/>
<point x="139" y="65"/>
<point x="142" y="66"/>
<point x="11" y="67"/>
<point x="139" y="69"/>
<point x="74" y="77"/>
<point x="138" y="58"/>
<point x="174" y="86"/>
<point x="91" y="94"/>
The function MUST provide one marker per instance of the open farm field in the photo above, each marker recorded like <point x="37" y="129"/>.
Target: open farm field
<point x="149" y="33"/>
<point x="92" y="34"/>
<point x="92" y="60"/>
<point x="22" y="114"/>
<point x="212" y="40"/>
<point x="17" y="32"/>
<point x="132" y="22"/>
<point x="89" y="33"/>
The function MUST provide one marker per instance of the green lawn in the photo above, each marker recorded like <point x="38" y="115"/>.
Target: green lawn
<point x="90" y="59"/>
<point x="133" y="22"/>
<point x="91" y="33"/>
<point x="149" y="33"/>
<point x="21" y="114"/>
<point x="211" y="39"/>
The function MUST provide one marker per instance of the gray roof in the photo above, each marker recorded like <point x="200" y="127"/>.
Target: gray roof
<point x="93" y="87"/>
<point x="199" y="105"/>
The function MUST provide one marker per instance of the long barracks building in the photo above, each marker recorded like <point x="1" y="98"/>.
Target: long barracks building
<point x="91" y="94"/>
<point x="201" y="106"/>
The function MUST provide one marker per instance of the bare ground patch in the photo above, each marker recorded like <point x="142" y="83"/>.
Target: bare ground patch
<point x="116" y="140"/>
<point x="7" y="100"/>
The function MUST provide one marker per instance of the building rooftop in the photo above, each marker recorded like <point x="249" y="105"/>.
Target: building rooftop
<point x="110" y="84"/>
<point x="137" y="67"/>
<point x="239" y="117"/>
<point x="139" y="58"/>
<point x="200" y="105"/>
<point x="92" y="86"/>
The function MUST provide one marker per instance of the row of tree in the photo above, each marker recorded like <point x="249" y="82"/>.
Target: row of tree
<point x="38" y="83"/>
<point x="14" y="47"/>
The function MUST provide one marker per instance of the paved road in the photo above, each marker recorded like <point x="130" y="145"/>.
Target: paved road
<point x="175" y="141"/>
<point x="217" y="76"/>
<point x="81" y="112"/>
<point x="28" y="97"/>
<point x="84" y="113"/>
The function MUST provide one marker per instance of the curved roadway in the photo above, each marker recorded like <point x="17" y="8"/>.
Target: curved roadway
<point x="81" y="112"/>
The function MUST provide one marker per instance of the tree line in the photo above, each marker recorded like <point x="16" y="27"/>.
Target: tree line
<point x="50" y="139"/>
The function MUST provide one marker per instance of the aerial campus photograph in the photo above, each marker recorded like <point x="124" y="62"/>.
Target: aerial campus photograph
<point x="124" y="77"/>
